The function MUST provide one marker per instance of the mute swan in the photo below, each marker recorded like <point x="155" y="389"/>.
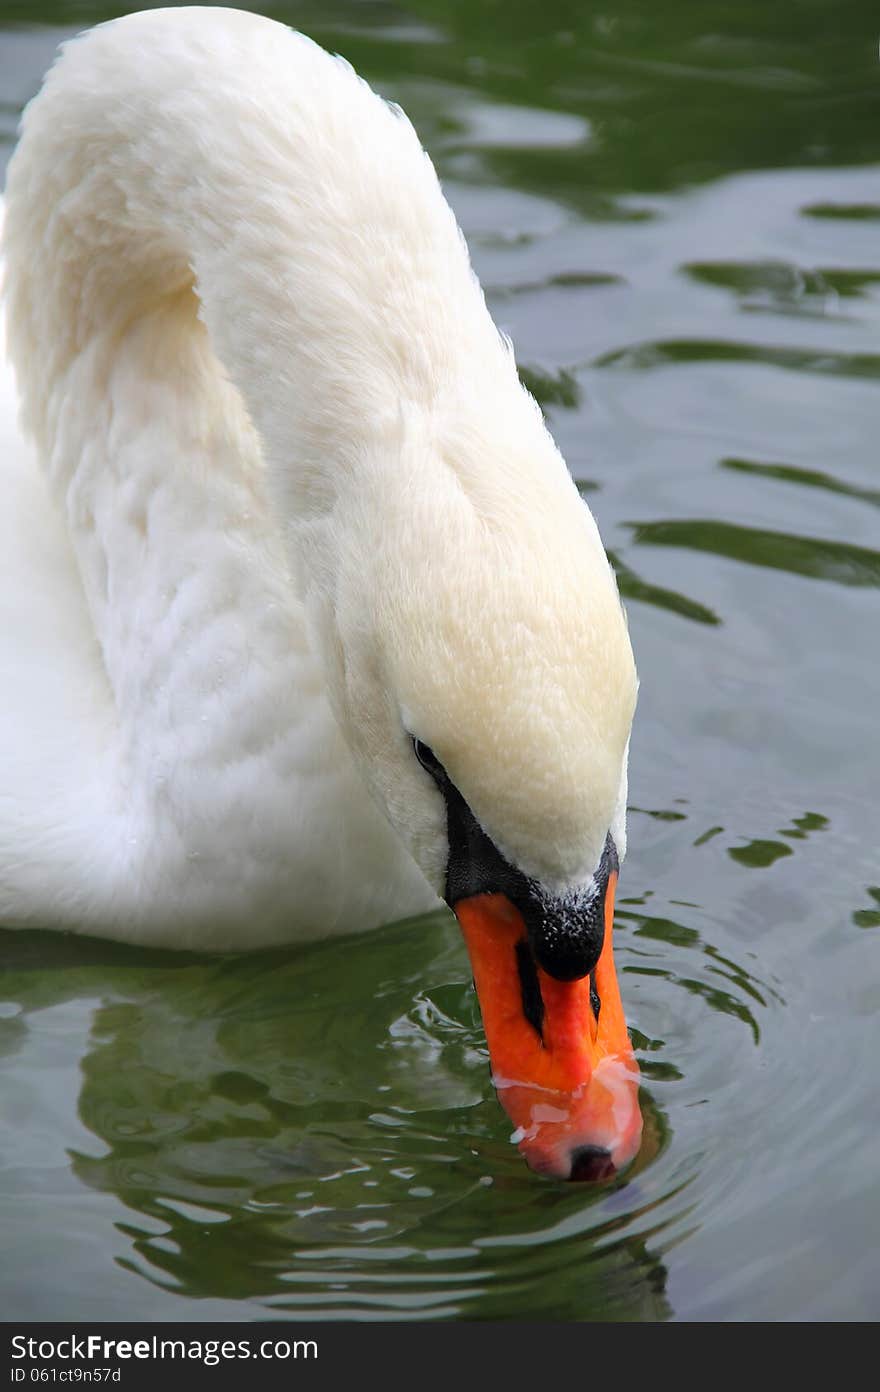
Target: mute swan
<point x="304" y="623"/>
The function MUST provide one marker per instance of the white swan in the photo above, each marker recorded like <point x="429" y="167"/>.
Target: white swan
<point x="303" y="623"/>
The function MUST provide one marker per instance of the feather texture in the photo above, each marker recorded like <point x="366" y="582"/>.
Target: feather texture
<point x="279" y="502"/>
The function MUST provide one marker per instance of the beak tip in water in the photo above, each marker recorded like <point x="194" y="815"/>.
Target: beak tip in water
<point x="592" y="1163"/>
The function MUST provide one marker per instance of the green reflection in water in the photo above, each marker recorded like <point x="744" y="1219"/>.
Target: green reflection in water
<point x="632" y="586"/>
<point x="566" y="280"/>
<point x="551" y="389"/>
<point x="804" y="478"/>
<point x="860" y="212"/>
<point x="709" y="835"/>
<point x="670" y="97"/>
<point x="759" y="854"/>
<point x="659" y="814"/>
<point x="695" y="967"/>
<point x="817" y="558"/>
<point x="782" y="287"/>
<point x="316" y="1130"/>
<point x="869" y="918"/>
<point x="641" y="357"/>
<point x="802" y="826"/>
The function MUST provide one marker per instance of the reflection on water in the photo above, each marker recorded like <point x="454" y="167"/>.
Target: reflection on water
<point x="676" y="222"/>
<point x="761" y="852"/>
<point x="780" y="288"/>
<point x="668" y="352"/>
<point x="316" y="1130"/>
<point x="633" y="587"/>
<point x="558" y="390"/>
<point x="804" y="478"/>
<point x="869" y="918"/>
<point x="816" y="557"/>
<point x="863" y="212"/>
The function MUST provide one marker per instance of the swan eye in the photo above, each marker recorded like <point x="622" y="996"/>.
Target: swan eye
<point x="428" y="759"/>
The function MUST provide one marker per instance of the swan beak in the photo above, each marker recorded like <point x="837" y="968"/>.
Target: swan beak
<point x="567" y="1079"/>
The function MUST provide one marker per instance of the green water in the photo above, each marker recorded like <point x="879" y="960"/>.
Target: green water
<point x="675" y="209"/>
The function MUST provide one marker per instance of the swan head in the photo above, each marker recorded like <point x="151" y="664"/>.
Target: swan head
<point x="484" y="679"/>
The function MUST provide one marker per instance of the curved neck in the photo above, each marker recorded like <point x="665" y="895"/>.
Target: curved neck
<point x="191" y="171"/>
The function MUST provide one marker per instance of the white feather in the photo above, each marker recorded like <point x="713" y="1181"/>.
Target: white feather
<point x="287" y="504"/>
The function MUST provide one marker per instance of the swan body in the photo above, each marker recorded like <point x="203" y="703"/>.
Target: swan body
<point x="226" y="824"/>
<point x="278" y="504"/>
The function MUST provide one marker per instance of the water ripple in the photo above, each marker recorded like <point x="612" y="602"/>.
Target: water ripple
<point x="804" y="478"/>
<point x="642" y="357"/>
<point x="633" y="587"/>
<point x="815" y="557"/>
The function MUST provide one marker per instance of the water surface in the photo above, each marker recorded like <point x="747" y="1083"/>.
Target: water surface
<point x="675" y="210"/>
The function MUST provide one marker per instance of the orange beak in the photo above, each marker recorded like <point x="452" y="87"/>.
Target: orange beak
<point x="566" y="1078"/>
